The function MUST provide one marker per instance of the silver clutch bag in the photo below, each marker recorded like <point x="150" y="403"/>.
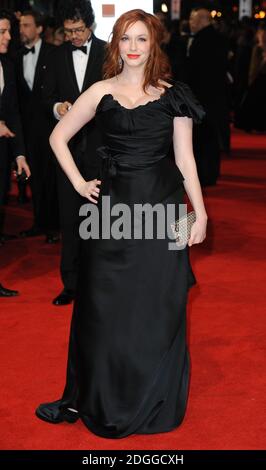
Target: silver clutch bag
<point x="182" y="228"/>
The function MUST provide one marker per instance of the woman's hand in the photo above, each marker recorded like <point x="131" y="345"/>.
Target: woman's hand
<point x="89" y="190"/>
<point x="198" y="232"/>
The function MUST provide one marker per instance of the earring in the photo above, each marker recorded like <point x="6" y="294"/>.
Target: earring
<point x="120" y="62"/>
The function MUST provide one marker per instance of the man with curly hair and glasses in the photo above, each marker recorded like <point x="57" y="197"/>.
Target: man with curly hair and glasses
<point x="74" y="67"/>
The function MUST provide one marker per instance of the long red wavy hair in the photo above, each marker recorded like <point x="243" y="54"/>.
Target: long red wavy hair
<point x="157" y="67"/>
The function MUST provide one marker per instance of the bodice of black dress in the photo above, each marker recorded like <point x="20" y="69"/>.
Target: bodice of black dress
<point x="140" y="137"/>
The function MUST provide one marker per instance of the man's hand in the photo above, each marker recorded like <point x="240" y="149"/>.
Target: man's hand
<point x="63" y="108"/>
<point x="4" y="131"/>
<point x="22" y="165"/>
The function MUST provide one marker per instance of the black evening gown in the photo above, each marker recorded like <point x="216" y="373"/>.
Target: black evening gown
<point x="128" y="363"/>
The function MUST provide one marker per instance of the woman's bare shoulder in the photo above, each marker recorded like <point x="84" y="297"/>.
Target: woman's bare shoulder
<point x="98" y="90"/>
<point x="102" y="87"/>
<point x="93" y="95"/>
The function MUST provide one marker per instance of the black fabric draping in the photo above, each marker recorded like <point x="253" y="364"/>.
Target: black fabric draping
<point x="128" y="365"/>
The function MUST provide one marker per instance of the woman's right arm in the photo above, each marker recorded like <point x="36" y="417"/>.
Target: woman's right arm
<point x="81" y="112"/>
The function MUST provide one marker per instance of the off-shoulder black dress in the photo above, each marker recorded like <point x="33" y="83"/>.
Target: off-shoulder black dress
<point x="128" y="364"/>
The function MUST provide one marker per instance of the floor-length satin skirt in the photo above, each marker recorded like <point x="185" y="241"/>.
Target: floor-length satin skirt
<point x="128" y="364"/>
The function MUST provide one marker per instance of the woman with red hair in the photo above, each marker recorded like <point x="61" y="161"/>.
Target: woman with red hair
<point x="128" y="363"/>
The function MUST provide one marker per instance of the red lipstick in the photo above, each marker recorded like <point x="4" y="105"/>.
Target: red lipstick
<point x="133" y="56"/>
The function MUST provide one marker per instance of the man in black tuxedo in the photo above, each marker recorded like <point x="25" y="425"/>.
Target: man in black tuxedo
<point x="207" y="56"/>
<point x="31" y="65"/>
<point x="10" y="126"/>
<point x="74" y="67"/>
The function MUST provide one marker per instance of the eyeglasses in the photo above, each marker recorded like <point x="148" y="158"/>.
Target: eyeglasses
<point x="78" y="31"/>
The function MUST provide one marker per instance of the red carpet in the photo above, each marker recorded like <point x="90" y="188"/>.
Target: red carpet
<point x="226" y="316"/>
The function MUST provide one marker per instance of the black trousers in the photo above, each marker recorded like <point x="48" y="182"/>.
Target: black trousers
<point x="42" y="180"/>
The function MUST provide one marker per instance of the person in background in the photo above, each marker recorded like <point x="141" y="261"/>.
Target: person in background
<point x="74" y="66"/>
<point x="207" y="58"/>
<point x="10" y="126"/>
<point x="31" y="66"/>
<point x="251" y="114"/>
<point x="59" y="37"/>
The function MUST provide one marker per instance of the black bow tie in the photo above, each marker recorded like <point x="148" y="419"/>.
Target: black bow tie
<point x="81" y="48"/>
<point x="26" y="50"/>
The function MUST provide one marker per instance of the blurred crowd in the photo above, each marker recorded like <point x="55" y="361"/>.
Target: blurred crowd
<point x="245" y="43"/>
<point x="224" y="62"/>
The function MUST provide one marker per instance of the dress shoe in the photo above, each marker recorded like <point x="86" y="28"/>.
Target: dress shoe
<point x="52" y="238"/>
<point x="31" y="232"/>
<point x="53" y="413"/>
<point x="7" y="292"/>
<point x="65" y="298"/>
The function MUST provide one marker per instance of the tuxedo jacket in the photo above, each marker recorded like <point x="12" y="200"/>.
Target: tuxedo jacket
<point x="207" y="67"/>
<point x="35" y="121"/>
<point x="61" y="85"/>
<point x="9" y="110"/>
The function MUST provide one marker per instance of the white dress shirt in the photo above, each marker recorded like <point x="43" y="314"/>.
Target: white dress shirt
<point x="80" y="61"/>
<point x="30" y="62"/>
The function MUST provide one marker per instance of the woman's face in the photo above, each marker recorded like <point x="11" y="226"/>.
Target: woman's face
<point x="134" y="45"/>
